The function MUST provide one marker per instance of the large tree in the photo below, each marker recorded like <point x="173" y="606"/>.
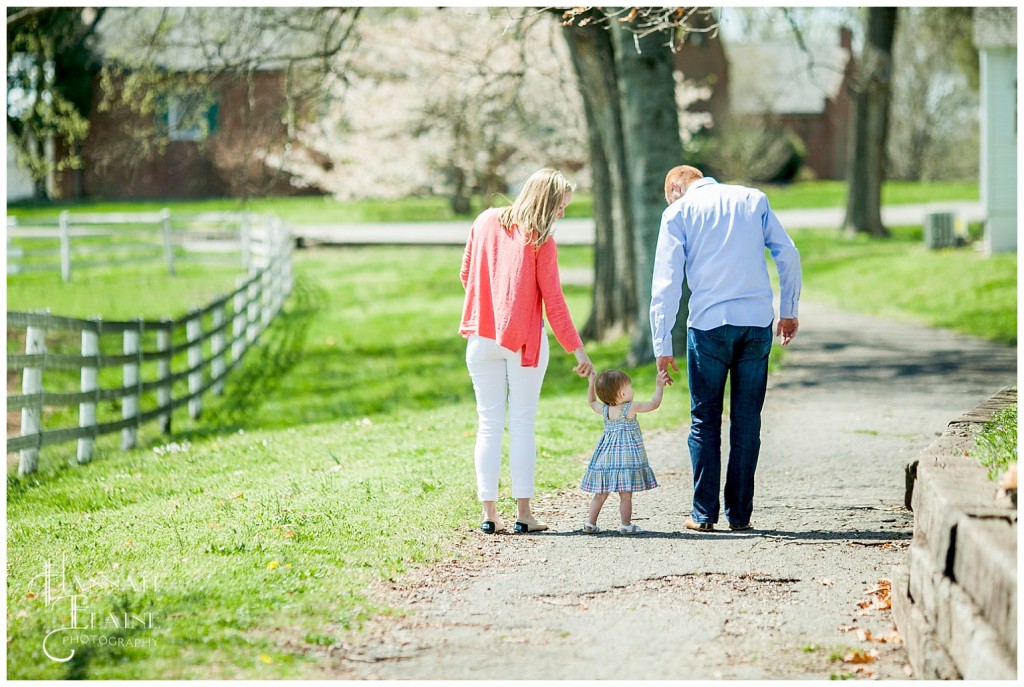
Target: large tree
<point x="624" y="64"/>
<point x="50" y="65"/>
<point x="872" y="86"/>
<point x="615" y="285"/>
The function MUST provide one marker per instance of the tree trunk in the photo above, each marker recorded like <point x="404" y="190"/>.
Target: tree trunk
<point x="872" y="89"/>
<point x="614" y="296"/>
<point x="650" y="126"/>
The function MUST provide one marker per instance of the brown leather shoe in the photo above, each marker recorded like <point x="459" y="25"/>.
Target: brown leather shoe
<point x="699" y="526"/>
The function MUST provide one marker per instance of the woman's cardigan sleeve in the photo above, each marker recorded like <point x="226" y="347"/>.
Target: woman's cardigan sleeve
<point x="554" y="300"/>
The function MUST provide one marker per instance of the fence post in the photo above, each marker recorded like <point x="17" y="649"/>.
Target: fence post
<point x="130" y="372"/>
<point x="193" y="332"/>
<point x="279" y="261"/>
<point x="253" y="309"/>
<point x="31" y="383"/>
<point x="163" y="373"/>
<point x="87" y="409"/>
<point x="217" y="350"/>
<point x="165" y="221"/>
<point x="13" y="254"/>
<point x="246" y="243"/>
<point x="267" y="295"/>
<point x="239" y="309"/>
<point x="289" y="249"/>
<point x="65" y="246"/>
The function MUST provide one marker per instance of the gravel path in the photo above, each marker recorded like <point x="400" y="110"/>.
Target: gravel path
<point x="797" y="597"/>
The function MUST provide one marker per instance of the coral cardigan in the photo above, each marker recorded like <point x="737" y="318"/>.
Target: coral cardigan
<point x="506" y="281"/>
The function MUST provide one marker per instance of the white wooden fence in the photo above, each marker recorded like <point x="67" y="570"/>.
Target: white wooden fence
<point x="82" y="241"/>
<point x="157" y="358"/>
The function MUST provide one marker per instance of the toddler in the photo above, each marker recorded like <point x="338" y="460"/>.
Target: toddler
<point x="619" y="463"/>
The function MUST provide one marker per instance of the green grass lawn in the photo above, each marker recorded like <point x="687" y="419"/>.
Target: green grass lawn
<point x="341" y="453"/>
<point x="320" y="210"/>
<point x="956" y="288"/>
<point x="101" y="290"/>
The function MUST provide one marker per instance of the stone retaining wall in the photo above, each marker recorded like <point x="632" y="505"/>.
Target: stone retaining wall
<point x="955" y="597"/>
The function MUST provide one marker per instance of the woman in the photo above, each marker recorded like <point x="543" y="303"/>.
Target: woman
<point x="509" y="271"/>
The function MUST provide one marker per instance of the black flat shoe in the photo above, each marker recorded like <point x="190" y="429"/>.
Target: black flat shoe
<point x="489" y="527"/>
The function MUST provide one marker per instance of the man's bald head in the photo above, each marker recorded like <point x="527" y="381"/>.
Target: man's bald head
<point x="678" y="180"/>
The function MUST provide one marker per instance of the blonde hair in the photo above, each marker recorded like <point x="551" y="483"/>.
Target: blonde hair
<point x="535" y="208"/>
<point x="608" y="385"/>
<point x="681" y="176"/>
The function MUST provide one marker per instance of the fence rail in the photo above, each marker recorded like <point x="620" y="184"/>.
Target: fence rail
<point x="85" y="240"/>
<point x="158" y="359"/>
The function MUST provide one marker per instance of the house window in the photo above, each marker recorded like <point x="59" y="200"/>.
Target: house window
<point x="190" y="117"/>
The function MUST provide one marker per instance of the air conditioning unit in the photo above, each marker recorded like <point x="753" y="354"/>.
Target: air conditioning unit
<point x="940" y="230"/>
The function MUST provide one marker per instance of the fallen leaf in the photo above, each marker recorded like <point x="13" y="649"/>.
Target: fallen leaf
<point x="864" y="635"/>
<point x="827" y="582"/>
<point x="266" y="659"/>
<point x="892" y="638"/>
<point x="858" y="656"/>
<point x="847" y="628"/>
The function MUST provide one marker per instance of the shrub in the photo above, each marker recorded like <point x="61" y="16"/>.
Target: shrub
<point x="995" y="445"/>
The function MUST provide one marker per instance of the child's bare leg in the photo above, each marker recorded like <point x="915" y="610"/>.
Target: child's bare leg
<point x="595" y="507"/>
<point x="626" y="507"/>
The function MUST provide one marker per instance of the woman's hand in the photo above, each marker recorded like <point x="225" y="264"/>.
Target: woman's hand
<point x="583" y="365"/>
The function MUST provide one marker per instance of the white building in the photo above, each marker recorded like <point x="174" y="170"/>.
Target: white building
<point x="995" y="34"/>
<point x="19" y="185"/>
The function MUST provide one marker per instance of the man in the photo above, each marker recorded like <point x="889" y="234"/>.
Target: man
<point x="714" y="235"/>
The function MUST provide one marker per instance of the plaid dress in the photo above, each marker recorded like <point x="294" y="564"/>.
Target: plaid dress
<point x="619" y="462"/>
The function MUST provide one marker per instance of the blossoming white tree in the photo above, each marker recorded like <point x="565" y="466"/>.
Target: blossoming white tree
<point x="444" y="101"/>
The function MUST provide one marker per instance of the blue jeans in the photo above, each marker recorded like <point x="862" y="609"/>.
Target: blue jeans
<point x="742" y="354"/>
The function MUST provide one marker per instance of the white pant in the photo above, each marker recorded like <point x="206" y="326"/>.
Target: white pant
<point x="498" y="377"/>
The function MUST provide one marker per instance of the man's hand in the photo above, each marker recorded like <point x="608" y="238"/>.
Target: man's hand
<point x="664" y="362"/>
<point x="787" y="329"/>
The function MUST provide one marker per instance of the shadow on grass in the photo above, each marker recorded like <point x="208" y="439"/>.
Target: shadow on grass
<point x="279" y="349"/>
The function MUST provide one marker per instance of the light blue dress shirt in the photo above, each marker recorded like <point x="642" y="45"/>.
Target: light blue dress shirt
<point x="715" y="236"/>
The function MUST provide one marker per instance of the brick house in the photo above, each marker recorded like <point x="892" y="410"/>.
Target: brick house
<point x="222" y="158"/>
<point x="216" y="131"/>
<point x="806" y="92"/>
